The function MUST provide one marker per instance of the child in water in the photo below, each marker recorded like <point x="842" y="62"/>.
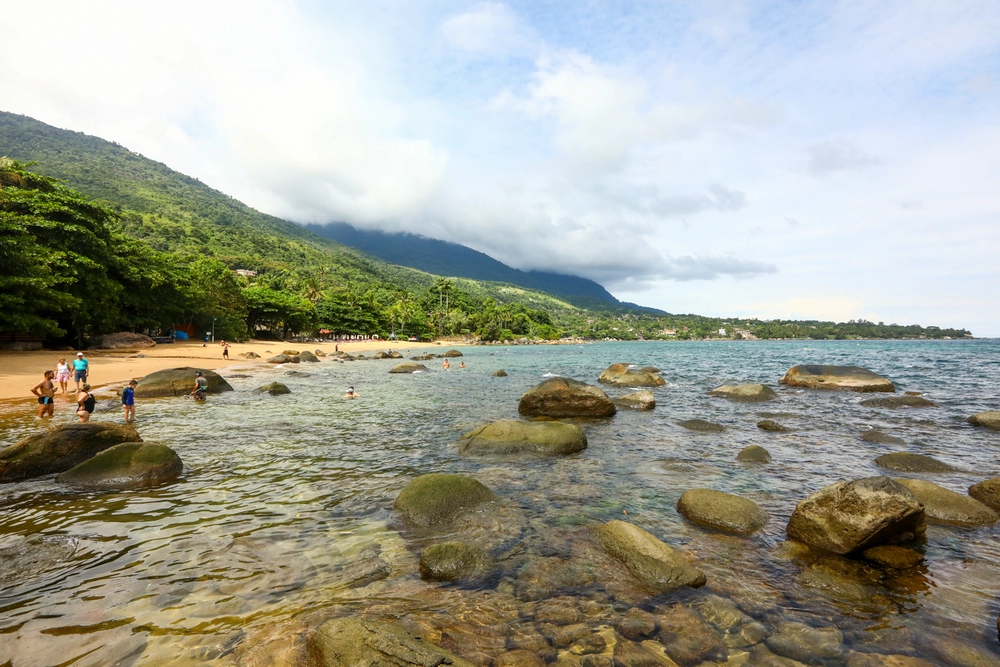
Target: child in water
<point x="128" y="401"/>
<point x="351" y="393"/>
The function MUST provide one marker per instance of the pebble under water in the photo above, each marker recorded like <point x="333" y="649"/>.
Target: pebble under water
<point x="283" y="518"/>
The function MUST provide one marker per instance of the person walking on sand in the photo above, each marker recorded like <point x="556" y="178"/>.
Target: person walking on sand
<point x="81" y="370"/>
<point x="46" y="392"/>
<point x="225" y="350"/>
<point x="85" y="403"/>
<point x="128" y="401"/>
<point x="200" y="391"/>
<point x="62" y="373"/>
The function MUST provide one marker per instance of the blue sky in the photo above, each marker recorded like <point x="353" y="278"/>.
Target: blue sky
<point x="830" y="160"/>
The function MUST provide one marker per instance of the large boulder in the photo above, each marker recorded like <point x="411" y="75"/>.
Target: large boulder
<point x="308" y="357"/>
<point x="907" y="462"/>
<point x="455" y="561"/>
<point x="439" y="498"/>
<point x="649" y="560"/>
<point x="395" y="355"/>
<point x="987" y="492"/>
<point x="562" y="397"/>
<point x="452" y="353"/>
<point x="408" y="367"/>
<point x="356" y="642"/>
<point x="845" y="378"/>
<point x="621" y="375"/>
<point x="61" y="448"/>
<point x="851" y="516"/>
<point x="516" y="437"/>
<point x="754" y="454"/>
<point x="990" y="419"/>
<point x="274" y="389"/>
<point x="638" y="400"/>
<point x="946" y="506"/>
<point x="381" y="355"/>
<point x="126" y="466"/>
<point x="123" y="340"/>
<point x="744" y="393"/>
<point x="898" y="402"/>
<point x="721" y="511"/>
<point x="178" y="382"/>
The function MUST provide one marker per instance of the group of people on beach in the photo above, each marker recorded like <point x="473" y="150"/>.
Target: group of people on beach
<point x="79" y="370"/>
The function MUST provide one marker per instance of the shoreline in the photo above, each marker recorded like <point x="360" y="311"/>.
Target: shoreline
<point x="23" y="369"/>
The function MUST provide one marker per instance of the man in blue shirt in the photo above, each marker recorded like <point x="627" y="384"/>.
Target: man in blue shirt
<point x="81" y="370"/>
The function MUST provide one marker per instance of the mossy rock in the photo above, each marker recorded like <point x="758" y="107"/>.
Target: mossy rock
<point x="505" y="437"/>
<point x="61" y="448"/>
<point x="843" y="378"/>
<point x="987" y="492"/>
<point x="439" y="498"/>
<point x="308" y="357"/>
<point x="745" y="393"/>
<point x="500" y="373"/>
<point x="562" y="397"/>
<point x="754" y="454"/>
<point x="380" y="355"/>
<point x="890" y="555"/>
<point x="356" y="642"/>
<point x="395" y="355"/>
<point x="722" y="511"/>
<point x="178" y="382"/>
<point x="455" y="562"/>
<point x="653" y="563"/>
<point x="452" y="353"/>
<point x="621" y="375"/>
<point x="637" y="400"/>
<point x="701" y="425"/>
<point x="408" y="367"/>
<point x="990" y="419"/>
<point x="880" y="438"/>
<point x="274" y="389"/>
<point x="126" y="466"/>
<point x="893" y="402"/>
<point x="947" y="506"/>
<point x="907" y="462"/>
<point x="771" y="426"/>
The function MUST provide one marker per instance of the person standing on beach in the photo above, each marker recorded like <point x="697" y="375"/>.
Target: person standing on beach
<point x="81" y="370"/>
<point x="46" y="392"/>
<point x="62" y="373"/>
<point x="225" y="350"/>
<point x="85" y="403"/>
<point x="128" y="401"/>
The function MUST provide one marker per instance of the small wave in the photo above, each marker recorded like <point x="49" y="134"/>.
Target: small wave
<point x="552" y="375"/>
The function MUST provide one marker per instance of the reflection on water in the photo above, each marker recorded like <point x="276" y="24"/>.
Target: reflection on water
<point x="284" y="515"/>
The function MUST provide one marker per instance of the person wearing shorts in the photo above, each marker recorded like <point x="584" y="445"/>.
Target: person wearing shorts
<point x="200" y="391"/>
<point x="62" y="373"/>
<point x="46" y="392"/>
<point x="128" y="401"/>
<point x="81" y="370"/>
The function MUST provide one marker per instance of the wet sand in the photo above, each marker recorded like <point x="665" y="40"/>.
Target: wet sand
<point x="22" y="370"/>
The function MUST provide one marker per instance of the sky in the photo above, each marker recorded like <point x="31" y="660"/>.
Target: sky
<point x="827" y="160"/>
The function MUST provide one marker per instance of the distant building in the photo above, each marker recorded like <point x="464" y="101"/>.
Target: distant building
<point x="669" y="332"/>
<point x="246" y="273"/>
<point x="722" y="332"/>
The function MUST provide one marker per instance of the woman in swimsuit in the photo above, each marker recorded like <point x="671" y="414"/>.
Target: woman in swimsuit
<point x="87" y="402"/>
<point x="45" y="391"/>
<point x="62" y="373"/>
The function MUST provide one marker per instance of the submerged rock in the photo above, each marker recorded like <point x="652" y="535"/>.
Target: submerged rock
<point x="517" y="437"/>
<point x="722" y="511"/>
<point x="455" y="561"/>
<point x="452" y="353"/>
<point x="744" y="393"/>
<point x="893" y="556"/>
<point x="633" y="654"/>
<point x="178" y="382"/>
<point x="701" y="425"/>
<point x="946" y="506"/>
<point x="855" y="659"/>
<point x="308" y="357"/>
<point x="500" y="373"/>
<point x="621" y="375"/>
<point x="274" y="389"/>
<point x="898" y="402"/>
<point x="636" y="625"/>
<point x="772" y="426"/>
<point x="639" y="400"/>
<point x="907" y="462"/>
<point x="61" y="448"/>
<point x="845" y="378"/>
<point x="851" y="516"/>
<point x="439" y="498"/>
<point x="653" y="563"/>
<point x="422" y="357"/>
<point x="762" y="656"/>
<point x="987" y="419"/>
<point x="739" y="630"/>
<point x="408" y="367"/>
<point x="754" y="454"/>
<point x="29" y="557"/>
<point x="689" y="640"/>
<point x="351" y="642"/>
<point x="880" y="438"/>
<point x="805" y="643"/>
<point x="126" y="466"/>
<point x="987" y="492"/>
<point x="562" y="397"/>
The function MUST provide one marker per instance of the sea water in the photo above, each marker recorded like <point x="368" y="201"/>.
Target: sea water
<point x="284" y="518"/>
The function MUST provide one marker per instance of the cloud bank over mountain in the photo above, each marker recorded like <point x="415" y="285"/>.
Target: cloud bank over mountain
<point x="836" y="159"/>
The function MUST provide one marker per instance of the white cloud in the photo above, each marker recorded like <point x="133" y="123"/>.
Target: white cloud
<point x="489" y="30"/>
<point x="838" y="156"/>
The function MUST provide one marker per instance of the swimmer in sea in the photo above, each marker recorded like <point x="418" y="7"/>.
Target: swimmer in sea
<point x="461" y="364"/>
<point x="446" y="365"/>
<point x="351" y="393"/>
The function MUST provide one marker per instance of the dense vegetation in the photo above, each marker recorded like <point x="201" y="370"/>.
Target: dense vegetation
<point x="145" y="248"/>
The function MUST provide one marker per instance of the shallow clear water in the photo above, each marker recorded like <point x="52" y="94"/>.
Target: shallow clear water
<point x="284" y="514"/>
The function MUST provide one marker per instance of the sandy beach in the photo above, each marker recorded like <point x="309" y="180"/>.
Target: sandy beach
<point x="21" y="370"/>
